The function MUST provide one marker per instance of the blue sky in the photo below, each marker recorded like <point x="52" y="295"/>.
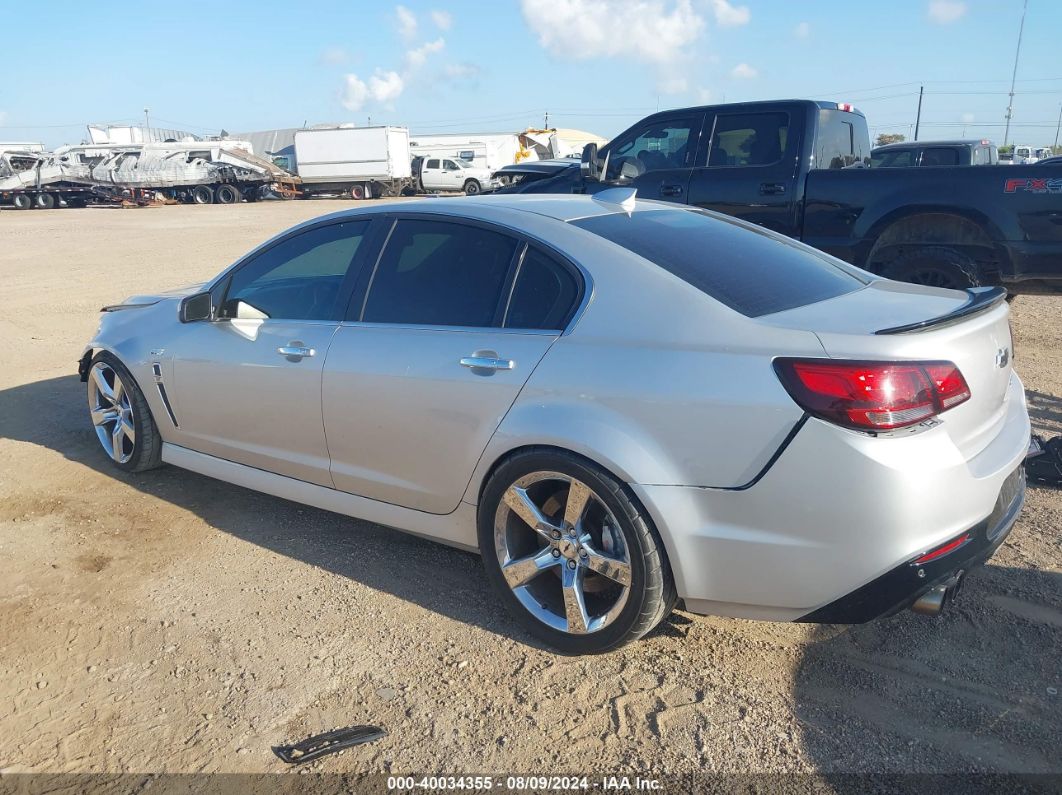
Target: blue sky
<point x="470" y="66"/>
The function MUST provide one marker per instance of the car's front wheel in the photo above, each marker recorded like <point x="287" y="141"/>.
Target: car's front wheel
<point x="121" y="417"/>
<point x="571" y="553"/>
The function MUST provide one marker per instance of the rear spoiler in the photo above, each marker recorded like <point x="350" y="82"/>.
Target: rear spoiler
<point x="981" y="299"/>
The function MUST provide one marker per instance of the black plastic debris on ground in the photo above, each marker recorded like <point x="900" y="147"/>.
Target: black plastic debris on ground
<point x="1045" y="466"/>
<point x="327" y="743"/>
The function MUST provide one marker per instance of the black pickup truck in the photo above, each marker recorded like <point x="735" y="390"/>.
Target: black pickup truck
<point x="801" y="168"/>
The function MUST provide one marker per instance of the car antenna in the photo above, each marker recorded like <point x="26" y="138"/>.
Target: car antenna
<point x="624" y="198"/>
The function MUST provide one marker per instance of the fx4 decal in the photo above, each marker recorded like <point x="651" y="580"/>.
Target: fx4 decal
<point x="1033" y="185"/>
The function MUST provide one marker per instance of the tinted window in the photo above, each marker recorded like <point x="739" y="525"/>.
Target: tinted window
<point x="544" y="294"/>
<point x="439" y="274"/>
<point x="298" y="279"/>
<point x="751" y="271"/>
<point x="749" y="139"/>
<point x="940" y="156"/>
<point x="893" y="158"/>
<point x="432" y="164"/>
<point x="662" y="144"/>
<point x="840" y="139"/>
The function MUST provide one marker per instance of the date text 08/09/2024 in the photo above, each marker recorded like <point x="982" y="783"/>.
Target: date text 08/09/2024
<point x="523" y="783"/>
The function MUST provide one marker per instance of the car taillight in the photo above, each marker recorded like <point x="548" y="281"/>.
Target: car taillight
<point x="873" y="396"/>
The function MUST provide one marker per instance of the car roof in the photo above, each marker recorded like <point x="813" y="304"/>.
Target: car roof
<point x="503" y="207"/>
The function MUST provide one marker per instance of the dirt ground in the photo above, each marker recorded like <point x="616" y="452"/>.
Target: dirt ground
<point x="166" y="622"/>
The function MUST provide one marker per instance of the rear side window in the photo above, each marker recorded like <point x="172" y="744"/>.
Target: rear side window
<point x="940" y="156"/>
<point x="437" y="273"/>
<point x="893" y="158"/>
<point x="841" y="140"/>
<point x="544" y="295"/>
<point x="753" y="272"/>
<point x="749" y="139"/>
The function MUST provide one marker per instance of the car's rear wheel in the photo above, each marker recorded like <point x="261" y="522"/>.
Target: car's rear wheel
<point x="121" y="417"/>
<point x="227" y="194"/>
<point x="571" y="553"/>
<point x="202" y="194"/>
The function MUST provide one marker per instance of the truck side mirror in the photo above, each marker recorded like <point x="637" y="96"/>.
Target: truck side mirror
<point x="591" y="166"/>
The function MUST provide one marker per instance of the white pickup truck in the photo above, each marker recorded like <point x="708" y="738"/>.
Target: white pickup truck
<point x="452" y="174"/>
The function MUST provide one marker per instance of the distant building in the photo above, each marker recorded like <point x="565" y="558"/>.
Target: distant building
<point x="130" y="134"/>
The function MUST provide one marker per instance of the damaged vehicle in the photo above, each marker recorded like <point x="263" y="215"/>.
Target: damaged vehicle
<point x="622" y="405"/>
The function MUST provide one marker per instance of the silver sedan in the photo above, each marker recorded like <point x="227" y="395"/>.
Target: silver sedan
<point x="622" y="405"/>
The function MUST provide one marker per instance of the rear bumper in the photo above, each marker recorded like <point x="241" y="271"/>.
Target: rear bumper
<point x="1036" y="268"/>
<point x="902" y="587"/>
<point x="838" y="512"/>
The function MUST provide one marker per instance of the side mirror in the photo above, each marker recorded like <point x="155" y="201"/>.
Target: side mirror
<point x="591" y="166"/>
<point x="196" y="307"/>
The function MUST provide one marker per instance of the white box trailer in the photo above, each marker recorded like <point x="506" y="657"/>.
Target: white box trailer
<point x="486" y="150"/>
<point x="362" y="162"/>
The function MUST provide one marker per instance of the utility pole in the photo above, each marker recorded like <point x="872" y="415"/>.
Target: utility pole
<point x="147" y="125"/>
<point x="1058" y="126"/>
<point x="1014" y="75"/>
<point x="545" y="121"/>
<point x="918" y="118"/>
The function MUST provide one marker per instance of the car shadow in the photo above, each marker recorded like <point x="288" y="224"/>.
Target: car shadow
<point x="972" y="690"/>
<point x="442" y="579"/>
<point x="1045" y="411"/>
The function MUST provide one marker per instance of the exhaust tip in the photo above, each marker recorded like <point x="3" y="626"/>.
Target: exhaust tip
<point x="931" y="602"/>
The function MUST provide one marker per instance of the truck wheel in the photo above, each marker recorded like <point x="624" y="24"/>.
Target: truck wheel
<point x="45" y="201"/>
<point x="202" y="194"/>
<point x="22" y="201"/>
<point x="935" y="266"/>
<point x="357" y="192"/>
<point x="226" y="194"/>
<point x="472" y="187"/>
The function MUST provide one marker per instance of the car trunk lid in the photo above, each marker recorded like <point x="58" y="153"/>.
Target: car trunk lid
<point x="891" y="321"/>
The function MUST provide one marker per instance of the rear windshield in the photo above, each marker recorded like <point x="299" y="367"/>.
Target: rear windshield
<point x="752" y="272"/>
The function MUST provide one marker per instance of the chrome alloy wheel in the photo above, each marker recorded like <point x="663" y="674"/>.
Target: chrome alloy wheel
<point x="112" y="412"/>
<point x="562" y="553"/>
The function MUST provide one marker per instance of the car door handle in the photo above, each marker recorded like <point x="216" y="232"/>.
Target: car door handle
<point x="295" y="351"/>
<point x="772" y="189"/>
<point x="670" y="189"/>
<point x="487" y="363"/>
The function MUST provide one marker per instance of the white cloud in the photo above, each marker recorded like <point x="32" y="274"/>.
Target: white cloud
<point x="944" y="12"/>
<point x="802" y="30"/>
<point x="967" y="118"/>
<point x="415" y="58"/>
<point x="728" y="16"/>
<point x="672" y="84"/>
<point x="744" y="72"/>
<point x="657" y="32"/>
<point x="334" y="55"/>
<point x="383" y="87"/>
<point x="460" y="71"/>
<point x="651" y="31"/>
<point x="407" y="22"/>
<point x="443" y="19"/>
<point x="704" y="95"/>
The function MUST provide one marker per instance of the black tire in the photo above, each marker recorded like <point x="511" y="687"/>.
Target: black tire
<point x="227" y="194"/>
<point x="202" y="194"/>
<point x="651" y="595"/>
<point x="935" y="266"/>
<point x="22" y="201"/>
<point x="45" y="201"/>
<point x="147" y="448"/>
<point x="472" y="187"/>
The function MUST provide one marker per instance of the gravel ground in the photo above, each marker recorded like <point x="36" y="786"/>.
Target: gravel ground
<point x="165" y="622"/>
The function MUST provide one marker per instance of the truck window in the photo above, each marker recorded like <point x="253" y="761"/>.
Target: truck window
<point x="432" y="164"/>
<point x="755" y="273"/>
<point x="839" y="143"/>
<point x="659" y="145"/>
<point x="940" y="156"/>
<point x="749" y="139"/>
<point x="450" y="165"/>
<point x="893" y="158"/>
